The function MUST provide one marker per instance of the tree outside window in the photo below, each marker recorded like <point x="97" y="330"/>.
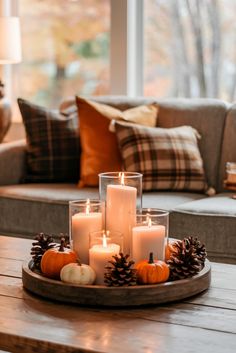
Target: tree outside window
<point x="190" y="48"/>
<point x="65" y="49"/>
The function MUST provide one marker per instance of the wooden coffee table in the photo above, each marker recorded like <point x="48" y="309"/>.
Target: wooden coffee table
<point x="205" y="323"/>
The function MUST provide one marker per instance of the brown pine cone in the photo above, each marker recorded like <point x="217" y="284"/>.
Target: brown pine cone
<point x="120" y="272"/>
<point x="43" y="243"/>
<point x="184" y="261"/>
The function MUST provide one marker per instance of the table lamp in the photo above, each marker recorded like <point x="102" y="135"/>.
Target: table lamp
<point x="10" y="41"/>
<point x="10" y="53"/>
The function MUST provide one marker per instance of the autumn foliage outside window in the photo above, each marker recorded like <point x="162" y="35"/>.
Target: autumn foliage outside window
<point x="190" y="48"/>
<point x="65" y="49"/>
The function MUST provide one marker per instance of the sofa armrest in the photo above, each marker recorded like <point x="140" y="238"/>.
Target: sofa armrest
<point x="12" y="162"/>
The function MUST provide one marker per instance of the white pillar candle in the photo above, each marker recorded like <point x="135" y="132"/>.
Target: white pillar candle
<point x="82" y="225"/>
<point x="120" y="211"/>
<point x="146" y="239"/>
<point x="99" y="255"/>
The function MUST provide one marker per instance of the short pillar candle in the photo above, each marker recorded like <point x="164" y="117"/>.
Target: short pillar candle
<point x="85" y="217"/>
<point x="103" y="245"/>
<point x="150" y="234"/>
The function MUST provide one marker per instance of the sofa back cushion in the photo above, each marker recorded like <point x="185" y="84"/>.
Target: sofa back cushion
<point x="229" y="145"/>
<point x="207" y="116"/>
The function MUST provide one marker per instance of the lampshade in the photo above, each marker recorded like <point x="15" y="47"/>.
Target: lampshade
<point x="10" y="40"/>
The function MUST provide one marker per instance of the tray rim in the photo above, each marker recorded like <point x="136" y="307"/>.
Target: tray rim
<point x="115" y="296"/>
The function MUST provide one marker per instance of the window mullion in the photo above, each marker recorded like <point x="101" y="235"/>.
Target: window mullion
<point x="135" y="48"/>
<point x="126" y="48"/>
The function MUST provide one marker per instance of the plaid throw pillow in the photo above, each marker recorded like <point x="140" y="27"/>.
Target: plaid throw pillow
<point x="53" y="148"/>
<point x="169" y="159"/>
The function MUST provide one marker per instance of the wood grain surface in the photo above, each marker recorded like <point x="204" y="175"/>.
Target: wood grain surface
<point x="28" y="323"/>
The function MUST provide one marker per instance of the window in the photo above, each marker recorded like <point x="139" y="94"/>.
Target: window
<point x="65" y="49"/>
<point x="190" y="48"/>
<point x="95" y="47"/>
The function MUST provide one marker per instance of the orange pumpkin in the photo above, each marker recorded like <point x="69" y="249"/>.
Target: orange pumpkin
<point x="151" y="272"/>
<point x="54" y="259"/>
<point x="169" y="249"/>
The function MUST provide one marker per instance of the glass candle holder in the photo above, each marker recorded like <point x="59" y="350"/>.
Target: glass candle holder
<point x="103" y="245"/>
<point x="122" y="194"/>
<point x="150" y="234"/>
<point x="86" y="216"/>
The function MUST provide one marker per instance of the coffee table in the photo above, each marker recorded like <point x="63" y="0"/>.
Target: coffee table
<point x="205" y="323"/>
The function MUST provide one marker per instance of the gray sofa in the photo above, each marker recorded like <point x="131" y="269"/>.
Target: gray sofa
<point x="26" y="209"/>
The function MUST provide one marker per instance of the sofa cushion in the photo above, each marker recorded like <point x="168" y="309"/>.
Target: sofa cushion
<point x="169" y="159"/>
<point x="213" y="220"/>
<point x="168" y="200"/>
<point x="229" y="145"/>
<point x="27" y="209"/>
<point x="100" y="152"/>
<point x="12" y="162"/>
<point x="53" y="149"/>
<point x="30" y="208"/>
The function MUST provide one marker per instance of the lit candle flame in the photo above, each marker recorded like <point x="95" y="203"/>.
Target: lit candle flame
<point x="87" y="210"/>
<point x="104" y="240"/>
<point x="149" y="220"/>
<point x="122" y="178"/>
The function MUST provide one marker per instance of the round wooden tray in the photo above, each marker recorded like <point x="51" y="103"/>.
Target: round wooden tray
<point x="94" y="295"/>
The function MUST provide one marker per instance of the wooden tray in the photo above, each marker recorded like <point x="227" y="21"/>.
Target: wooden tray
<point x="94" y="295"/>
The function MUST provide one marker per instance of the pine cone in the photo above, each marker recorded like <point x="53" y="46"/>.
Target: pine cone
<point x="200" y="250"/>
<point x="43" y="243"/>
<point x="184" y="261"/>
<point x="66" y="240"/>
<point x="120" y="272"/>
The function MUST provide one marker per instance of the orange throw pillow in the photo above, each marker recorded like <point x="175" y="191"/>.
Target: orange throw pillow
<point x="100" y="151"/>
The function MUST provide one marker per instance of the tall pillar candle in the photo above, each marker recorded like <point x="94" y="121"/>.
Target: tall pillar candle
<point x="82" y="224"/>
<point x="120" y="211"/>
<point x="122" y="194"/>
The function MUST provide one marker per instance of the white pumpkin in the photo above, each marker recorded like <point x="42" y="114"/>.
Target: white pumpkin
<point x="77" y="273"/>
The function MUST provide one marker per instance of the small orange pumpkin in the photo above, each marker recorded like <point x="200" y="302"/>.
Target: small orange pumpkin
<point x="151" y="272"/>
<point x="54" y="259"/>
<point x="169" y="249"/>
